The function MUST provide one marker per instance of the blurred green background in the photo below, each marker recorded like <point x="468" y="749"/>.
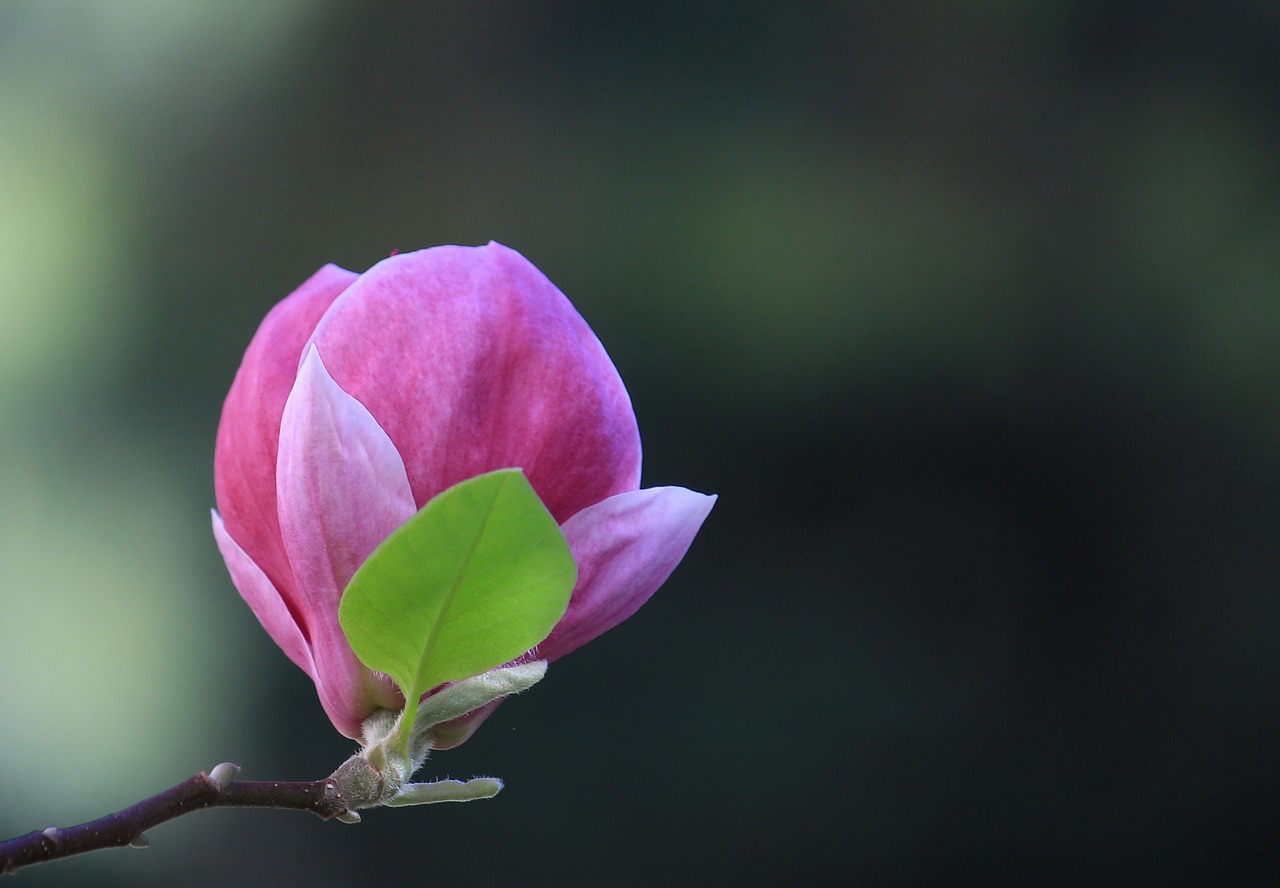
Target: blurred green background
<point x="967" y="311"/>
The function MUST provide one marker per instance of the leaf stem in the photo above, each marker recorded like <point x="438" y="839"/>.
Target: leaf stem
<point x="405" y="724"/>
<point x="129" y="826"/>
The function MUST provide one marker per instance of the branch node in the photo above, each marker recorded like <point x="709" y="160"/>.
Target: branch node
<point x="139" y="841"/>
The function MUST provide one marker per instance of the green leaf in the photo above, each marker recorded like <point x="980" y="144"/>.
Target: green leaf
<point x="480" y="575"/>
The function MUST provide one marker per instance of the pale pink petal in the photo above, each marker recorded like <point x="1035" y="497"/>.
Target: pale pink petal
<point x="249" y="432"/>
<point x="472" y="360"/>
<point x="263" y="599"/>
<point x="342" y="489"/>
<point x="625" y="548"/>
<point x="341" y="484"/>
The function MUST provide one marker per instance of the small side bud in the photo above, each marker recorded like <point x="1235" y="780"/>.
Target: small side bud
<point x="347" y="817"/>
<point x="224" y="774"/>
<point x="140" y="841"/>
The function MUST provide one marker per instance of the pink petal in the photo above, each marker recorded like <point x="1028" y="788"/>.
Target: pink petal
<point x="263" y="599"/>
<point x="341" y="489"/>
<point x="625" y="548"/>
<point x="245" y="458"/>
<point x="499" y="368"/>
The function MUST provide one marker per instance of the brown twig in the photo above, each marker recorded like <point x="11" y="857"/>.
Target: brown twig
<point x="129" y="826"/>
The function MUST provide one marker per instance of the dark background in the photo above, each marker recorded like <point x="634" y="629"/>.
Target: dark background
<point x="968" y="312"/>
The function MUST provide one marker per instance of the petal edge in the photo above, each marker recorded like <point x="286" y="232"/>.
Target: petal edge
<point x="263" y="599"/>
<point x="625" y="547"/>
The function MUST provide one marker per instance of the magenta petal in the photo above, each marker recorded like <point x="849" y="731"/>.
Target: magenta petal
<point x="473" y="360"/>
<point x="249" y="432"/>
<point x="263" y="599"/>
<point x="342" y="489"/>
<point x="625" y="548"/>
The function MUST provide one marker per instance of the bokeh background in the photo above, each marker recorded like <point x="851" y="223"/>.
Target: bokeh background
<point x="968" y="312"/>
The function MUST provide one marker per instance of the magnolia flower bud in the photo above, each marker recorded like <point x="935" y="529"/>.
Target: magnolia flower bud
<point x="363" y="396"/>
